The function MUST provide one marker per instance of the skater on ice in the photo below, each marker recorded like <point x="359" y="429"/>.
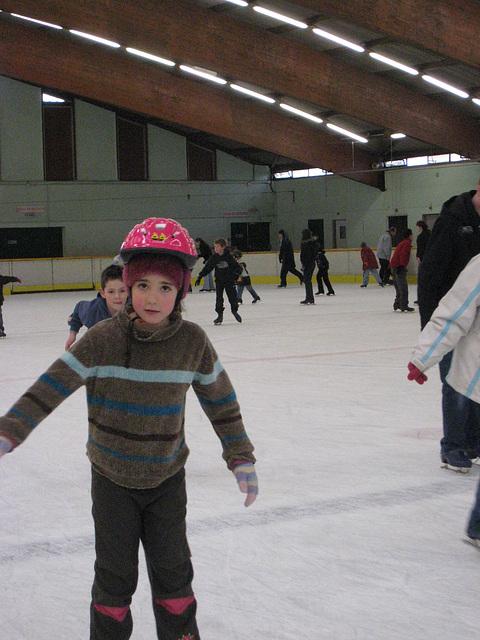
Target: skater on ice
<point x="137" y="368"/>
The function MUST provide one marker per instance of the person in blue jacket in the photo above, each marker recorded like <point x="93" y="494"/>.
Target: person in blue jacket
<point x="110" y="299"/>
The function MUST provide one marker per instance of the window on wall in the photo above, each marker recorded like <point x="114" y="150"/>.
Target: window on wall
<point x="59" y="140"/>
<point x="201" y="163"/>
<point x="131" y="149"/>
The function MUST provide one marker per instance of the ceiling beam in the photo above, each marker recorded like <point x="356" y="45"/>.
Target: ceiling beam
<point x="191" y="34"/>
<point x="446" y="27"/>
<point x="57" y="60"/>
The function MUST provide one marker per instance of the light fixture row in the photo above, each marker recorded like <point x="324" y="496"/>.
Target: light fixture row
<point x="359" y="49"/>
<point x="212" y="77"/>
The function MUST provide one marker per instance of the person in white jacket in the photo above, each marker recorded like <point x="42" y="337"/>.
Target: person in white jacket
<point x="455" y="325"/>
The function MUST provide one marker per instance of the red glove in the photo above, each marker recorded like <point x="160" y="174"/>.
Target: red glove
<point x="416" y="374"/>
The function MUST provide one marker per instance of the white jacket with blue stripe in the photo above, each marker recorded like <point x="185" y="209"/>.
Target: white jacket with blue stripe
<point x="455" y="324"/>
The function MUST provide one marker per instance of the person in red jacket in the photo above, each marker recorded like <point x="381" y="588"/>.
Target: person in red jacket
<point x="398" y="265"/>
<point x="370" y="265"/>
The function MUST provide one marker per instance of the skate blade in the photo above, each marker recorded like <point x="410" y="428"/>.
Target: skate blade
<point x="473" y="542"/>
<point x="449" y="467"/>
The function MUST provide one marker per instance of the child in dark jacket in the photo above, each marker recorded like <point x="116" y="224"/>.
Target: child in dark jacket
<point x="3" y="281"/>
<point x="110" y="299"/>
<point x="137" y="368"/>
<point x="244" y="281"/>
<point x="227" y="270"/>
<point x="322" y="274"/>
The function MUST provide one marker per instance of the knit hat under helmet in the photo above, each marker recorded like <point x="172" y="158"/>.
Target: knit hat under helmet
<point x="141" y="265"/>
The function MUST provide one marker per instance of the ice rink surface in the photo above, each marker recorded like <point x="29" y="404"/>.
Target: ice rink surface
<point x="357" y="531"/>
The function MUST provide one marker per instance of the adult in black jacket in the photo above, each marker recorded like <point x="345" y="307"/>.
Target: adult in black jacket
<point x="454" y="241"/>
<point x="423" y="237"/>
<point x="3" y="281"/>
<point x="309" y="248"/>
<point x="287" y="259"/>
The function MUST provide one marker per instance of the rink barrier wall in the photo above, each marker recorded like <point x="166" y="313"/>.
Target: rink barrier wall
<point x="65" y="274"/>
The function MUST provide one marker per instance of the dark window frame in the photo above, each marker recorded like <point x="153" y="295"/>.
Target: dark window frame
<point x="59" y="167"/>
<point x="132" y="162"/>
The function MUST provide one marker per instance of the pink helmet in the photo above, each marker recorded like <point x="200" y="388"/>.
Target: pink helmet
<point x="163" y="236"/>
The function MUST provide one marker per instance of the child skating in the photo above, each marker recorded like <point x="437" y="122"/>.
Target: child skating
<point x="244" y="281"/>
<point x="227" y="271"/>
<point x="137" y="368"/>
<point x="110" y="299"/>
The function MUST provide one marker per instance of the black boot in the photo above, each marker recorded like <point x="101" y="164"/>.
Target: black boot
<point x="218" y="319"/>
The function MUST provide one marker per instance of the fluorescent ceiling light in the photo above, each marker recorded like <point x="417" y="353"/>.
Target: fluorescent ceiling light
<point x="45" y="24"/>
<point x="203" y="74"/>
<point x="253" y="94"/>
<point x="342" y="41"/>
<point x="476" y="100"/>
<point x="282" y="18"/>
<point x="109" y="43"/>
<point x="397" y="136"/>
<point x="447" y="87"/>
<point x="47" y="98"/>
<point x="149" y="56"/>
<point x="354" y="136"/>
<point x="394" y="63"/>
<point x="241" y="3"/>
<point x="298" y="112"/>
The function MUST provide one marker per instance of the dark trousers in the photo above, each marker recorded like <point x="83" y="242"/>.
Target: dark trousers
<point x="461" y="416"/>
<point x="307" y="280"/>
<point x="385" y="272"/>
<point x="231" y="291"/>
<point x="326" y="280"/>
<point x="123" y="517"/>
<point x="401" y="287"/>
<point x="289" y="268"/>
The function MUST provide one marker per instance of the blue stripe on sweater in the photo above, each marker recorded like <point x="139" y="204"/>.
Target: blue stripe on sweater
<point x="233" y="438"/>
<point x="55" y="384"/>
<point x="135" y="409"/>
<point x="473" y="384"/>
<point x="449" y="322"/>
<point x="123" y="456"/>
<point x="141" y="375"/>
<point x="225" y="400"/>
<point x="23" y="416"/>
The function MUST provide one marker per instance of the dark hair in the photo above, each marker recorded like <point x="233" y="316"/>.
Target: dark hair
<point x="306" y="234"/>
<point x="221" y="242"/>
<point x="236" y="253"/>
<point x="423" y="225"/>
<point x="363" y="244"/>
<point x="282" y="232"/>
<point x="113" y="272"/>
<point x="392" y="229"/>
<point x="407" y="233"/>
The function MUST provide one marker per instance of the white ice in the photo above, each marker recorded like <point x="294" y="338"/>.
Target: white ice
<point x="357" y="531"/>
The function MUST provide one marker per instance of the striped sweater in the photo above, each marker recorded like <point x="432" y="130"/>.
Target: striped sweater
<point x="136" y="382"/>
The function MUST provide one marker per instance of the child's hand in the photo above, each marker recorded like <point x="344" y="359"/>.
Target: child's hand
<point x="197" y="281"/>
<point x="71" y="339"/>
<point x="246" y="477"/>
<point x="416" y="374"/>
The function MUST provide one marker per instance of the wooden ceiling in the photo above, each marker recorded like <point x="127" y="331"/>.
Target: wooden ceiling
<point x="288" y="64"/>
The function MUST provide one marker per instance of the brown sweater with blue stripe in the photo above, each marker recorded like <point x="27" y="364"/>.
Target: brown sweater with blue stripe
<point x="136" y="383"/>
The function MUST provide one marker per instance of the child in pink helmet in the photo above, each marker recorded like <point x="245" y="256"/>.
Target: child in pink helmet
<point x="137" y="368"/>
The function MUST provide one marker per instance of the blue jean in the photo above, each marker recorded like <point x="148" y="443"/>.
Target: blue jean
<point x="249" y="288"/>
<point x="460" y="415"/>
<point x="208" y="282"/>
<point x="366" y="275"/>
<point x="473" y="527"/>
